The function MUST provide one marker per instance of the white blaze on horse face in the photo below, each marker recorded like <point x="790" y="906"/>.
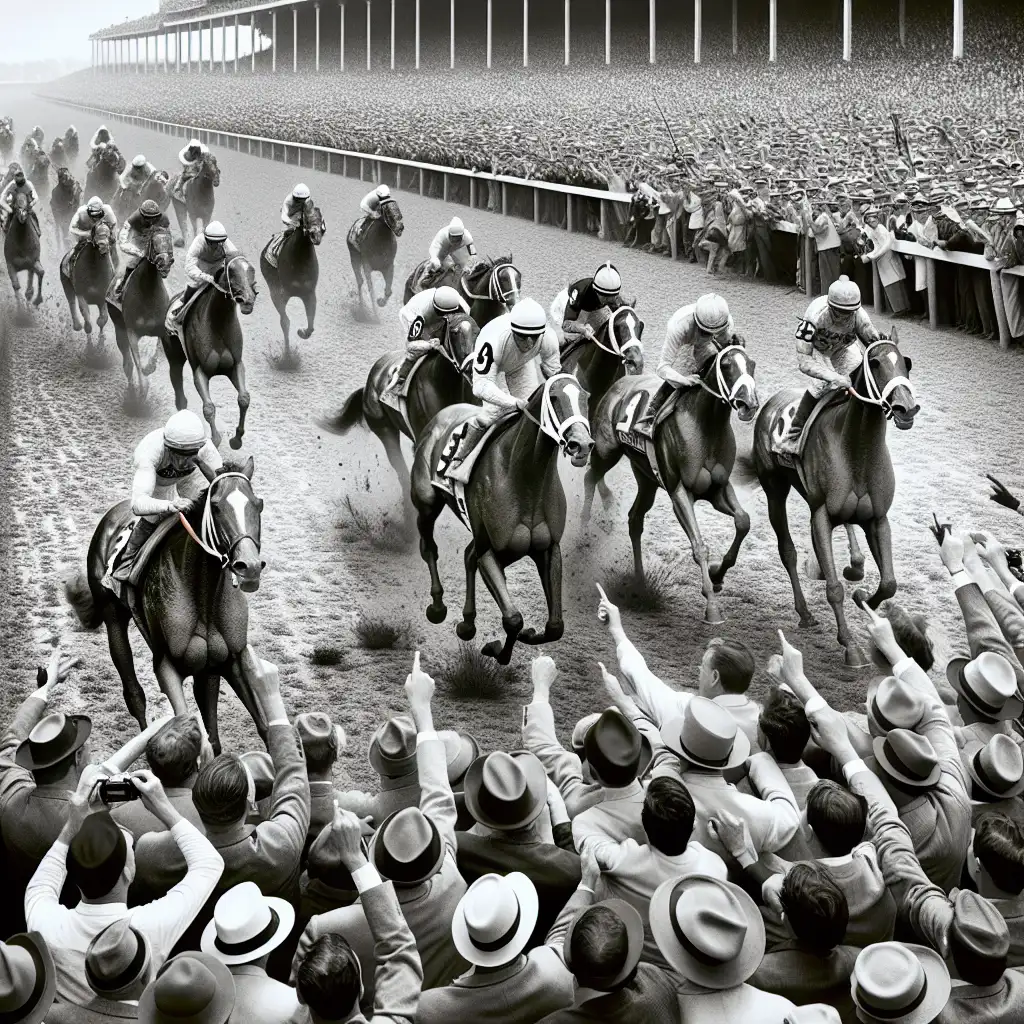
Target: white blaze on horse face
<point x="239" y="503"/>
<point x="893" y="359"/>
<point x="572" y="393"/>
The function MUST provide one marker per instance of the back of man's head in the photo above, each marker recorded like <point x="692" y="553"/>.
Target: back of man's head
<point x="598" y="948"/>
<point x="837" y="816"/>
<point x="734" y="662"/>
<point x="911" y="634"/>
<point x="785" y="726"/>
<point x="221" y="792"/>
<point x="329" y="980"/>
<point x="999" y="849"/>
<point x="667" y="815"/>
<point x="815" y="906"/>
<point x="173" y="753"/>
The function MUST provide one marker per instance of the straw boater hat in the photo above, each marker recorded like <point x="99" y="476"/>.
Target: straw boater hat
<point x="28" y="980"/>
<point x="987" y="684"/>
<point x="246" y="925"/>
<point x="495" y="918"/>
<point x="706" y="735"/>
<point x="997" y="767"/>
<point x="908" y="758"/>
<point x="899" y="981"/>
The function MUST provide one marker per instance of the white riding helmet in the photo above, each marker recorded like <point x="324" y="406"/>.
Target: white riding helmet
<point x="95" y="205"/>
<point x="382" y="192"/>
<point x="607" y="280"/>
<point x="528" y="318"/>
<point x="301" y="191"/>
<point x="185" y="433"/>
<point x="844" y="295"/>
<point x="139" y="161"/>
<point x="456" y="228"/>
<point x="194" y="144"/>
<point x="214" y="232"/>
<point x="446" y="300"/>
<point x="711" y="314"/>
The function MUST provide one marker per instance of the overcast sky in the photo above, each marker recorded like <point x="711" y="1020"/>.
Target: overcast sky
<point x="59" y="29"/>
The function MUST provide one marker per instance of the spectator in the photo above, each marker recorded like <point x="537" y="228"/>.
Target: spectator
<point x="28" y="979"/>
<point x="896" y="981"/>
<point x="995" y="864"/>
<point x="191" y="988"/>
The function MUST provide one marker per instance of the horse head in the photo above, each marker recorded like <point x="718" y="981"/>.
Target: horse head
<point x="160" y="250"/>
<point x="392" y="216"/>
<point x="101" y="237"/>
<point x="237" y="280"/>
<point x="505" y="282"/>
<point x="884" y="380"/>
<point x="57" y="150"/>
<point x="110" y="156"/>
<point x="564" y="416"/>
<point x="621" y="334"/>
<point x="729" y="376"/>
<point x="313" y="224"/>
<point x="208" y="169"/>
<point x="20" y="208"/>
<point x="64" y="178"/>
<point x="232" y="521"/>
<point x="42" y="165"/>
<point x="460" y="338"/>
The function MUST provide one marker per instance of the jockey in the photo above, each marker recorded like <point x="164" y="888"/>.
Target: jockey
<point x="206" y="254"/>
<point x="38" y="134"/>
<point x="829" y="348"/>
<point x="291" y="216"/>
<point x="694" y="334"/>
<point x="446" y="249"/>
<point x="162" y="458"/>
<point x="189" y="157"/>
<point x="134" y="239"/>
<point x="370" y="203"/>
<point x="516" y="345"/>
<point x="19" y="183"/>
<point x="586" y="296"/>
<point x="71" y="135"/>
<point x="97" y="143"/>
<point x="135" y="176"/>
<point x="425" y="316"/>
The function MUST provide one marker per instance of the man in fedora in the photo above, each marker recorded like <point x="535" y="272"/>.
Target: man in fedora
<point x="492" y="927"/>
<point x="987" y="699"/>
<point x="191" y="988"/>
<point x="28" y="981"/>
<point x="711" y="934"/>
<point x="322" y="740"/>
<point x="995" y="868"/>
<point x="415" y="849"/>
<point x="996" y="770"/>
<point x="899" y="983"/>
<point x="891" y="703"/>
<point x="246" y="928"/>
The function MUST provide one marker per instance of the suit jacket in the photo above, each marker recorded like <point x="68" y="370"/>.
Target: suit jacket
<point x="804" y="976"/>
<point x="1013" y="914"/>
<point x="99" y="1011"/>
<point x="394" y="795"/>
<point x="134" y="816"/>
<point x="650" y="998"/>
<point x="1002" y="1003"/>
<point x="743" y="1004"/>
<point x="261" y="1000"/>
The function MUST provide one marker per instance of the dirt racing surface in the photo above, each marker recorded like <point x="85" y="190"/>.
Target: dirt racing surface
<point x="340" y="580"/>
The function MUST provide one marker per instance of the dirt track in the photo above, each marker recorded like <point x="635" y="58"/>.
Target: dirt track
<point x="66" y="445"/>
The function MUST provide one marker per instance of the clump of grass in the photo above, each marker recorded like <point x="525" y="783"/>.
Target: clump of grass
<point x="470" y="675"/>
<point x="653" y="595"/>
<point x="377" y="634"/>
<point x="326" y="656"/>
<point x="382" y="534"/>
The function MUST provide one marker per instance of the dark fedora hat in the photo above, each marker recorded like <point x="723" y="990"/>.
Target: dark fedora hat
<point x="908" y="757"/>
<point x="407" y="848"/>
<point x="96" y="855"/>
<point x="393" y="747"/>
<point x="191" y="988"/>
<point x="506" y="791"/>
<point x="54" y="738"/>
<point x="612" y="747"/>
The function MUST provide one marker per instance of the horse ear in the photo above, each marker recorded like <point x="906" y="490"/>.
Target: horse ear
<point x="909" y="363"/>
<point x="248" y="468"/>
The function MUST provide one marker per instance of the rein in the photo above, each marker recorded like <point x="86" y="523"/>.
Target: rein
<point x="210" y="542"/>
<point x="227" y="277"/>
<point x="549" y="422"/>
<point x="724" y="392"/>
<point x="613" y="347"/>
<point x="880" y="396"/>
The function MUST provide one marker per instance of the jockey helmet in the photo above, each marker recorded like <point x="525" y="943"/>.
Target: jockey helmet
<point x="446" y="300"/>
<point x="139" y="161"/>
<point x="149" y="209"/>
<point x="382" y="192"/>
<point x="711" y="314"/>
<point x="301" y="191"/>
<point x="215" y="232"/>
<point x="844" y="295"/>
<point x="528" y="318"/>
<point x="19" y="176"/>
<point x="95" y="207"/>
<point x="457" y="229"/>
<point x="194" y="144"/>
<point x="607" y="280"/>
<point x="185" y="432"/>
<point x="37" y="130"/>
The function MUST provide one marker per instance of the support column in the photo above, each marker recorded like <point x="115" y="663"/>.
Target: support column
<point x="252" y="43"/>
<point x="392" y="35"/>
<point x="847" y="30"/>
<point x="188" y="52"/>
<point x="451" y="35"/>
<point x="773" y="30"/>
<point x="295" y="40"/>
<point x="223" y="46"/>
<point x="316" y="8"/>
<point x="417" y="35"/>
<point x="735" y="29"/>
<point x="903" y="23"/>
<point x="167" y="46"/>
<point x="341" y="39"/>
<point x="273" y="40"/>
<point x="236" y="44"/>
<point x="199" y="45"/>
<point x="138" y="63"/>
<point x="211" y="44"/>
<point x="367" y="35"/>
<point x="526" y="33"/>
<point x="177" y="50"/>
<point x="490" y="21"/>
<point x="607" y="31"/>
<point x="652" y="32"/>
<point x="698" y="14"/>
<point x="958" y="29"/>
<point x="567" y="32"/>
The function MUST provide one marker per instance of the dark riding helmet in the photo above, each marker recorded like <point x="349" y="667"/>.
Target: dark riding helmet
<point x="149" y="210"/>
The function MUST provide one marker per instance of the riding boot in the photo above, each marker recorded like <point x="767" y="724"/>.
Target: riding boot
<point x="790" y="444"/>
<point x="141" y="532"/>
<point x="474" y="431"/>
<point x="644" y="426"/>
<point x="395" y="387"/>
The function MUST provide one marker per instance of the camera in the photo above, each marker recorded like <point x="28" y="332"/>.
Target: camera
<point x="118" y="790"/>
<point x="1013" y="559"/>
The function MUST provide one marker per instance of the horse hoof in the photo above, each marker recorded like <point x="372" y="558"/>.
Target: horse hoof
<point x="235" y="443"/>
<point x="465" y="630"/>
<point x="382" y="303"/>
<point x="303" y="333"/>
<point x="808" y="622"/>
<point x="854" y="573"/>
<point x="77" y="326"/>
<point x="436" y="613"/>
<point x="713" y="617"/>
<point x="39" y="301"/>
<point x="860" y="595"/>
<point x="179" y="243"/>
<point x="856" y="658"/>
<point x="492" y="649"/>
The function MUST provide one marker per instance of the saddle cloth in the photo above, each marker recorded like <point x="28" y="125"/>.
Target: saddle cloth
<point x="395" y="398"/>
<point x="784" y="420"/>
<point x="176" y="312"/>
<point x="174" y="188"/>
<point x="355" y="233"/>
<point x="454" y="488"/>
<point x="152" y="542"/>
<point x="273" y="248"/>
<point x="632" y="412"/>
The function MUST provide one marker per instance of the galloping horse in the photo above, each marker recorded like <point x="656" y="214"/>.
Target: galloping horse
<point x="102" y="180"/>
<point x="58" y="152"/>
<point x="65" y="199"/>
<point x="515" y="505"/>
<point x="439" y="381"/>
<point x="693" y="454"/>
<point x="199" y="196"/>
<point x="22" y="247"/>
<point x="87" y="286"/>
<point x="189" y="602"/>
<point x="144" y="308"/>
<point x="37" y="170"/>
<point x="126" y="202"/>
<point x="297" y="271"/>
<point x="71" y="145"/>
<point x="491" y="287"/>
<point x="847" y="477"/>
<point x="6" y="142"/>
<point x="376" y="251"/>
<point x="450" y="276"/>
<point x="213" y="342"/>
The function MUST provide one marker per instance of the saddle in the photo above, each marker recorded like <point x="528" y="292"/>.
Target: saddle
<point x="395" y="398"/>
<point x="634" y="409"/>
<point x="177" y="312"/>
<point x="784" y="420"/>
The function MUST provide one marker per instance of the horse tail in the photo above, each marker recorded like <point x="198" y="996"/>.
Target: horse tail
<point x="744" y="471"/>
<point x="350" y="415"/>
<point x="79" y="595"/>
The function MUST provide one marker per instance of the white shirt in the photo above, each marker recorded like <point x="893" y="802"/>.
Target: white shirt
<point x="155" y="485"/>
<point x="496" y="352"/>
<point x="422" y="305"/>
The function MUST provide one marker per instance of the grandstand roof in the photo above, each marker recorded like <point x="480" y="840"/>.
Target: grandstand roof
<point x="158" y="21"/>
<point x="136" y="26"/>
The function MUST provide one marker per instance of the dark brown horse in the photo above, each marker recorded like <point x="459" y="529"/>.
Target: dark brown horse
<point x="155" y="187"/>
<point x="65" y="199"/>
<point x="213" y="342"/>
<point x="439" y="381"/>
<point x="449" y="276"/>
<point x="190" y="600"/>
<point x="376" y="251"/>
<point x="694" y="449"/>
<point x="297" y="271"/>
<point x="71" y="145"/>
<point x="103" y="180"/>
<point x="197" y="208"/>
<point x="37" y="170"/>
<point x="847" y="477"/>
<point x="58" y="154"/>
<point x="90" y="278"/>
<point x="144" y="310"/>
<point x="22" y="248"/>
<point x="491" y="287"/>
<point x="514" y="505"/>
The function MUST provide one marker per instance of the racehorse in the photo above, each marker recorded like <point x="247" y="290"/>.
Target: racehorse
<point x="193" y="618"/>
<point x="144" y="308"/>
<point x="213" y="341"/>
<point x="297" y="271"/>
<point x="694" y="450"/>
<point x="90" y="278"/>
<point x="847" y="477"/>
<point x="491" y="287"/>
<point x="38" y="172"/>
<point x="102" y="179"/>
<point x="197" y="207"/>
<point x="22" y="247"/>
<point x="65" y="199"/>
<point x="440" y="380"/>
<point x="6" y="142"/>
<point x="71" y="145"/>
<point x="58" y="153"/>
<point x="127" y="201"/>
<point x="376" y="251"/>
<point x="514" y="503"/>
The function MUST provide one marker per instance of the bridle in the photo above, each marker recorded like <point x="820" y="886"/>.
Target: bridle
<point x="613" y="346"/>
<point x="384" y="203"/>
<point x="227" y="278"/>
<point x="724" y="392"/>
<point x="507" y="297"/>
<point x="210" y="540"/>
<point x="549" y="422"/>
<point x="876" y="395"/>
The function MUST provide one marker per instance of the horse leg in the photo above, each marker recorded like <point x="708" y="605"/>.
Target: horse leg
<point x="776" y="493"/>
<point x="83" y="308"/>
<point x="855" y="570"/>
<point x="40" y="274"/>
<point x="682" y="502"/>
<point x="206" y="690"/>
<point x="879" y="537"/>
<point x="244" y="692"/>
<point x="726" y="502"/>
<point x="102" y="319"/>
<point x="280" y="302"/>
<point x="15" y="283"/>
<point x="466" y="629"/>
<point x="309" y="301"/>
<point x="425" y="519"/>
<point x="170" y="683"/>
<point x="69" y="294"/>
<point x="599" y="466"/>
<point x="388" y="273"/>
<point x="646" y="491"/>
<point x="511" y="619"/>
<point x="357" y="271"/>
<point x="202" y="383"/>
<point x="392" y="441"/>
<point x="549" y="567"/>
<point x="835" y="591"/>
<point x="237" y="377"/>
<point x="175" y="368"/>
<point x="368" y="274"/>
<point x="117" y="619"/>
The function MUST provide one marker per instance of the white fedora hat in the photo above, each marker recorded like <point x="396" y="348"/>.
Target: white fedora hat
<point x="495" y="919"/>
<point x="246" y="925"/>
